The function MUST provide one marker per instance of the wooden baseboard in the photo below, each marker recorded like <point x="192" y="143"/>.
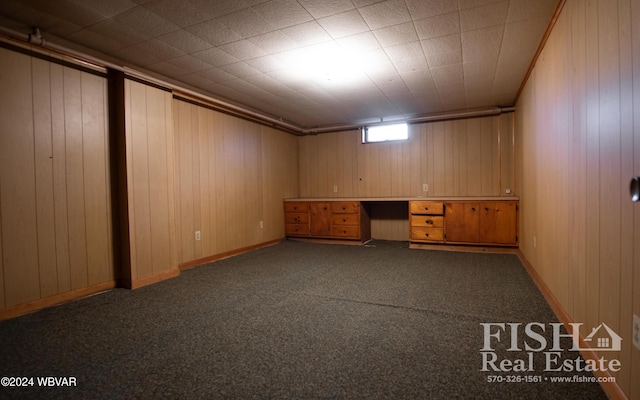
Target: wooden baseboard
<point x="347" y="242"/>
<point x="464" y="248"/>
<point x="148" y="280"/>
<point x="227" y="254"/>
<point x="612" y="389"/>
<point x="36" y="305"/>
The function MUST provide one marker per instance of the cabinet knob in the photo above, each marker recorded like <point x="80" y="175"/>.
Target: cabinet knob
<point x="473" y="208"/>
<point x="344" y="220"/>
<point x="486" y="208"/>
<point x="426" y="234"/>
<point x="426" y="208"/>
<point x="430" y="222"/>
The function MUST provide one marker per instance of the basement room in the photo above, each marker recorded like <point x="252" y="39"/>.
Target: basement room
<point x="320" y="199"/>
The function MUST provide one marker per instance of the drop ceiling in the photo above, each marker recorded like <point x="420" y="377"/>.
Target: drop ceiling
<point x="312" y="63"/>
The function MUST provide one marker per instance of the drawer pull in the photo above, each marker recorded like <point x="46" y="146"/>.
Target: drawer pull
<point x="429" y="222"/>
<point x="426" y="234"/>
<point x="473" y="208"/>
<point x="344" y="208"/>
<point x="426" y="208"/>
<point x="486" y="209"/>
<point x="344" y="220"/>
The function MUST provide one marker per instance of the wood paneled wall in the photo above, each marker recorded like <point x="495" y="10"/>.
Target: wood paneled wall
<point x="578" y="125"/>
<point x="464" y="157"/>
<point x="150" y="183"/>
<point x="230" y="175"/>
<point x="55" y="217"/>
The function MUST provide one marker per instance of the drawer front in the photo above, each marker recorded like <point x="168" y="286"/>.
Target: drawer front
<point x="296" y="206"/>
<point x="296" y="218"/>
<point x="345" y="207"/>
<point x="427" y="234"/>
<point x="345" y="231"/>
<point x="429" y="221"/>
<point x="426" y="207"/>
<point x="345" y="219"/>
<point x="296" y="229"/>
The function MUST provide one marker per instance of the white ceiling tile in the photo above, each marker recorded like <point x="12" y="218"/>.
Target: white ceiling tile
<point x="189" y="63"/>
<point x="441" y="44"/>
<point x="483" y="17"/>
<point x="214" y="32"/>
<point x="117" y="31"/>
<point x="450" y="75"/>
<point x="441" y="25"/>
<point x="139" y="54"/>
<point x="325" y="8"/>
<point x="411" y="64"/>
<point x="67" y="10"/>
<point x="265" y="63"/>
<point x="526" y="9"/>
<point x="168" y="69"/>
<point x="215" y="57"/>
<point x="146" y="22"/>
<point x="105" y="8"/>
<point x="273" y="42"/>
<point x="404" y="51"/>
<point x="465" y="4"/>
<point x="246" y="22"/>
<point x="217" y="75"/>
<point x="420" y="9"/>
<point x="486" y="37"/>
<point x="307" y="33"/>
<point x="96" y="40"/>
<point x="218" y="8"/>
<point x="442" y="59"/>
<point x="243" y="50"/>
<point x="185" y="41"/>
<point x="181" y="13"/>
<point x="377" y="63"/>
<point x="396" y="34"/>
<point x="385" y="13"/>
<point x="344" y="24"/>
<point x="283" y="13"/>
<point x="240" y="69"/>
<point x="360" y="43"/>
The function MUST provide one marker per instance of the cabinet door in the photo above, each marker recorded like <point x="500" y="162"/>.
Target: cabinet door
<point x="462" y="222"/>
<point x="498" y="222"/>
<point x="320" y="219"/>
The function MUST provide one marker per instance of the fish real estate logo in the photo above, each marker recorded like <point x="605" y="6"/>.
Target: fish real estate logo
<point x="543" y="343"/>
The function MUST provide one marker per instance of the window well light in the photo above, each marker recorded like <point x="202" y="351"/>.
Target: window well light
<point x="383" y="133"/>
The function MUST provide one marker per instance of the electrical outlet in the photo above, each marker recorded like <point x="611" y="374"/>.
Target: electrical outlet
<point x="534" y="242"/>
<point x="636" y="331"/>
<point x="335" y="188"/>
<point x="261" y="224"/>
<point x="508" y="191"/>
<point x="425" y="187"/>
<point x="197" y="235"/>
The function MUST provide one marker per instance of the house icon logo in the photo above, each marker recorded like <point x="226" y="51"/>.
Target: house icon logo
<point x="603" y="338"/>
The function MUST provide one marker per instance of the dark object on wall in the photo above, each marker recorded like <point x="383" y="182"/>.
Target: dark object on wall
<point x="634" y="188"/>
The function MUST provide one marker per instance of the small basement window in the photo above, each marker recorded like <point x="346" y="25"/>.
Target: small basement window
<point x="384" y="133"/>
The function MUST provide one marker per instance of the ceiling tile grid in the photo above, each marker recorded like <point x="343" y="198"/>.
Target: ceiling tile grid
<point x="312" y="62"/>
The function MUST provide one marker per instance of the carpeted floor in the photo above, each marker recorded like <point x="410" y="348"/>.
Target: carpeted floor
<point x="292" y="321"/>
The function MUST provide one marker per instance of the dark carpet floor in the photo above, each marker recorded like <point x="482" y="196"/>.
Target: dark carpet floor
<point x="291" y="321"/>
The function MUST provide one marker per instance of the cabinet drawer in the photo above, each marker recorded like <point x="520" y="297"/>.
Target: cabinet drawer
<point x="427" y="234"/>
<point x="345" y="207"/>
<point x="345" y="219"/>
<point x="426" y="207"/>
<point x="296" y="229"/>
<point x="428" y="221"/>
<point x="345" y="231"/>
<point x="296" y="218"/>
<point x="295" y="206"/>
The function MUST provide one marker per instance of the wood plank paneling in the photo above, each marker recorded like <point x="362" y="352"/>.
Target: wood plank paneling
<point x="577" y="117"/>
<point x="149" y="136"/>
<point x="54" y="181"/>
<point x="455" y="158"/>
<point x="238" y="181"/>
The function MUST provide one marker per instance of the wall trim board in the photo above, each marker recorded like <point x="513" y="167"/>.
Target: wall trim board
<point x="612" y="389"/>
<point x="29" y="51"/>
<point x="148" y="280"/>
<point x="543" y="42"/>
<point x="37" y="305"/>
<point x="227" y="254"/>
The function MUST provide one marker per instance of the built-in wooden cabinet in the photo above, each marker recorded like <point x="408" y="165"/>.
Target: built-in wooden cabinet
<point x="426" y="221"/>
<point x="342" y="220"/>
<point x="485" y="222"/>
